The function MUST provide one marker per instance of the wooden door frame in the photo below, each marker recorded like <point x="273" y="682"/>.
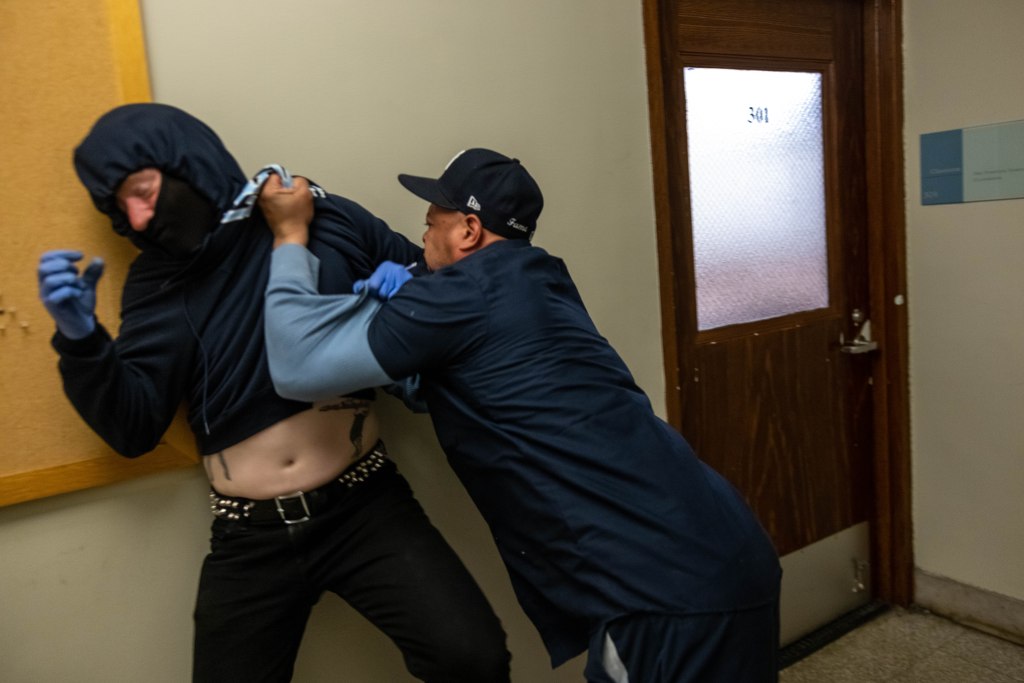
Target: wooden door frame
<point x="891" y="518"/>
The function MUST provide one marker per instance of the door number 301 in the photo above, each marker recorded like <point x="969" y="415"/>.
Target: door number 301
<point x="758" y="115"/>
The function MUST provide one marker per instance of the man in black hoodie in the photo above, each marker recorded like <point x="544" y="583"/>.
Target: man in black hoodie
<point x="304" y="497"/>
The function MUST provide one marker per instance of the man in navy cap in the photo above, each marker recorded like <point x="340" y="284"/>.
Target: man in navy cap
<point x="617" y="538"/>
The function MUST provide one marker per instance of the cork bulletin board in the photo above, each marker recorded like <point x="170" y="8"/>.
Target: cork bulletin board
<point x="62" y="65"/>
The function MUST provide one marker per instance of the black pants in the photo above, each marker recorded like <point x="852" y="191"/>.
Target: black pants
<point x="376" y="549"/>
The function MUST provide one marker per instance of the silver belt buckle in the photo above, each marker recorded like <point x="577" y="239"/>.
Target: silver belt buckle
<point x="284" y="516"/>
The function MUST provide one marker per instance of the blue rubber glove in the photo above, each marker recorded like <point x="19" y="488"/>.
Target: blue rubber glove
<point x="70" y="299"/>
<point x="385" y="281"/>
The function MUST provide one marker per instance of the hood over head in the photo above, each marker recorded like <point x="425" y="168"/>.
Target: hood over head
<point x="136" y="136"/>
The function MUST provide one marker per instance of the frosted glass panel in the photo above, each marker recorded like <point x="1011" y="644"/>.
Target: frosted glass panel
<point x="757" y="193"/>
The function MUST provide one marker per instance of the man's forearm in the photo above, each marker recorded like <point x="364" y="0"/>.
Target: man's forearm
<point x="317" y="345"/>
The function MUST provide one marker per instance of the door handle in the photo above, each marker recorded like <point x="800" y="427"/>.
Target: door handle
<point x="861" y="343"/>
<point x="859" y="346"/>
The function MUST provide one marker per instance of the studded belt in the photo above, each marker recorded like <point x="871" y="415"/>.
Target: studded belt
<point x="302" y="505"/>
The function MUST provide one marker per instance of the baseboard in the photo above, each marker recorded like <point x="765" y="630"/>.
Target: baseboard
<point x="983" y="610"/>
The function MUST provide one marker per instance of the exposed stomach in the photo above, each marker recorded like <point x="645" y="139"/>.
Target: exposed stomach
<point x="299" y="453"/>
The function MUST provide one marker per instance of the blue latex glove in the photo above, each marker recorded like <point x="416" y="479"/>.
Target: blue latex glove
<point x="70" y="299"/>
<point x="385" y="281"/>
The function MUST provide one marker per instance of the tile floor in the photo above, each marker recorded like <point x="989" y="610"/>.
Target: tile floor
<point x="911" y="646"/>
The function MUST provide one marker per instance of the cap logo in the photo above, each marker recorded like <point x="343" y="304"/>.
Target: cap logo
<point x="513" y="223"/>
<point x="473" y="203"/>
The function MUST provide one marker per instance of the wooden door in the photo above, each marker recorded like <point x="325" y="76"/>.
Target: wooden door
<point x="784" y="405"/>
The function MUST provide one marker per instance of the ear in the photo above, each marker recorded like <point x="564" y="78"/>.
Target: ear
<point x="474" y="236"/>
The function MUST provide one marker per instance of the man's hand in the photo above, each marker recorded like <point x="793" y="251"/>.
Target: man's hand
<point x="69" y="299"/>
<point x="288" y="210"/>
<point x="385" y="281"/>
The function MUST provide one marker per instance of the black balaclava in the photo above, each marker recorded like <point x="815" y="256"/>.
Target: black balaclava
<point x="181" y="220"/>
<point x="148" y="135"/>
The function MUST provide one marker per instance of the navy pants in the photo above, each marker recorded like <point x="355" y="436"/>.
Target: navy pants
<point x="377" y="550"/>
<point x="729" y="647"/>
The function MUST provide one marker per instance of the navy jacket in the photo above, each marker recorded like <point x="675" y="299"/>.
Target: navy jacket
<point x="598" y="507"/>
<point x="193" y="330"/>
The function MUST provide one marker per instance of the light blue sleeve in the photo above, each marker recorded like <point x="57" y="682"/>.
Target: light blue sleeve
<point x="317" y="345"/>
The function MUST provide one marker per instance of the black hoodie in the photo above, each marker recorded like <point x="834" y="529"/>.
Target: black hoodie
<point x="192" y="329"/>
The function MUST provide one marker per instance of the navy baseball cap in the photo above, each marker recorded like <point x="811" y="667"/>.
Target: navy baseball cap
<point x="491" y="185"/>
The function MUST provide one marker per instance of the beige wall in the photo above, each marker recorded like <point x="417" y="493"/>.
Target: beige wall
<point x="99" y="585"/>
<point x="963" y="68"/>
